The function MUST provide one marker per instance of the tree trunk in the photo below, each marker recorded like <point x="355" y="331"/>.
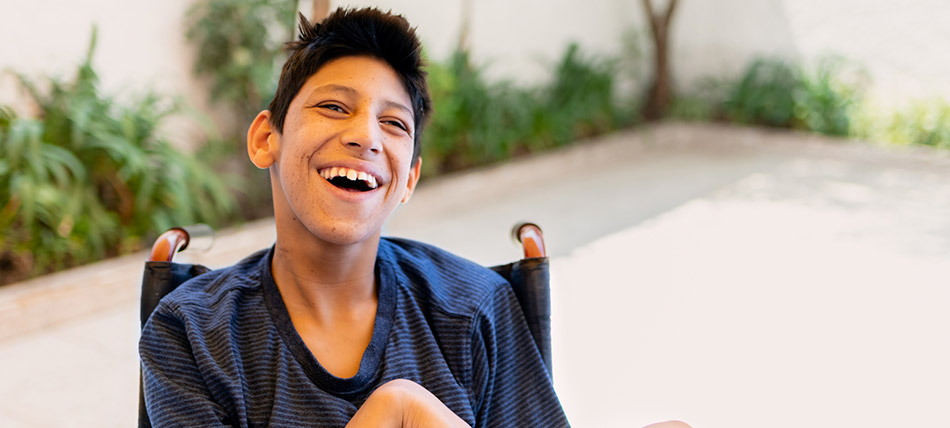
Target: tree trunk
<point x="466" y="28"/>
<point x="661" y="88"/>
<point x="321" y="8"/>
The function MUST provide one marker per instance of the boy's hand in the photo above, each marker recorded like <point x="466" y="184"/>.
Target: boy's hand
<point x="403" y="403"/>
<point x="424" y="410"/>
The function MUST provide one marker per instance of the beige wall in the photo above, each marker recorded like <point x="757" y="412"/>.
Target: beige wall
<point x="902" y="45"/>
<point x="516" y="39"/>
<point x="141" y="47"/>
<point x="141" y="43"/>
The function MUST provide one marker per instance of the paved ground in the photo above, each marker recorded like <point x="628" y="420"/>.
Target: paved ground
<point x="727" y="277"/>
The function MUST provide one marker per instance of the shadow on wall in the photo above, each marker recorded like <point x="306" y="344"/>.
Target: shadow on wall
<point x="719" y="38"/>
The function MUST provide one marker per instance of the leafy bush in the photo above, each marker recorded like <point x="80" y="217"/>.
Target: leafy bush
<point x="240" y="47"/>
<point x="923" y="122"/>
<point x="476" y="122"/>
<point x="90" y="178"/>
<point x="765" y="94"/>
<point x="775" y="93"/>
<point x="580" y="101"/>
<point x="828" y="100"/>
<point x="473" y="121"/>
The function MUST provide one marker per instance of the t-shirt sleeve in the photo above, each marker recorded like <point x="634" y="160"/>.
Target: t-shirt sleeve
<point x="512" y="387"/>
<point x="176" y="394"/>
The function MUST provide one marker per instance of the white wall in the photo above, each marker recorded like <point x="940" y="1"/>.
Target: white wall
<point x="142" y="46"/>
<point x="902" y="45"/>
<point x="516" y="39"/>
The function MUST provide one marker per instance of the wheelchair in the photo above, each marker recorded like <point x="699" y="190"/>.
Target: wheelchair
<point x="529" y="278"/>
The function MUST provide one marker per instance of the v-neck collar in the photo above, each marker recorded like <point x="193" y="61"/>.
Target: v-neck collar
<point x="369" y="364"/>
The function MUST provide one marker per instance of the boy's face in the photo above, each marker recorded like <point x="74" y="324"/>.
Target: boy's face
<point x="344" y="161"/>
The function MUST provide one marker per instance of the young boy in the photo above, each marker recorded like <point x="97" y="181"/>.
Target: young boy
<point x="335" y="326"/>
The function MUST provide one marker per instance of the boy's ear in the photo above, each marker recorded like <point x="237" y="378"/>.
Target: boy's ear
<point x="414" y="173"/>
<point x="263" y="141"/>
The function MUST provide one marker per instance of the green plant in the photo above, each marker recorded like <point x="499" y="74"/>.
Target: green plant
<point x="476" y="122"/>
<point x="923" y="122"/>
<point x="764" y="94"/>
<point x="828" y="97"/>
<point x="90" y="178"/>
<point x="473" y="122"/>
<point x="240" y="47"/>
<point x="776" y="93"/>
<point x="581" y="97"/>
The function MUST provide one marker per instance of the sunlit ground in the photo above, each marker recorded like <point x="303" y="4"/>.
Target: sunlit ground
<point x="740" y="311"/>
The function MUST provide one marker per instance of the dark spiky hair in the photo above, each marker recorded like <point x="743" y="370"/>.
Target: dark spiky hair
<point x="355" y="32"/>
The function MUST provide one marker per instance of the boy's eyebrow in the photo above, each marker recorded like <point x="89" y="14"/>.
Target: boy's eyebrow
<point x="330" y="87"/>
<point x="398" y="106"/>
<point x="333" y="87"/>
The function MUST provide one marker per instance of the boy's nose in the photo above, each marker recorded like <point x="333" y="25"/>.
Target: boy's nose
<point x="362" y="137"/>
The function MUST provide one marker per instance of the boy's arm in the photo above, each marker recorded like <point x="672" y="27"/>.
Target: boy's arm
<point x="404" y="404"/>
<point x="175" y="391"/>
<point x="511" y="384"/>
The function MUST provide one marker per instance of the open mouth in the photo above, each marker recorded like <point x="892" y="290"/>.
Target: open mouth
<point x="349" y="179"/>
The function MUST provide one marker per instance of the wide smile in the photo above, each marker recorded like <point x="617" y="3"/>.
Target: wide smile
<point x="350" y="180"/>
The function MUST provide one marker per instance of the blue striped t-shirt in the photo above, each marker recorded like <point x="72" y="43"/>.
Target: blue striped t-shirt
<point x="221" y="349"/>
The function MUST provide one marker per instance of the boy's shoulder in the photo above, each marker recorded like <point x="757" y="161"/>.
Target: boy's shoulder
<point x="209" y="289"/>
<point x="454" y="283"/>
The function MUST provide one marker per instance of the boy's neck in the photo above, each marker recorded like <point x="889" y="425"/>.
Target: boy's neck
<point x="322" y="279"/>
<point x="330" y="293"/>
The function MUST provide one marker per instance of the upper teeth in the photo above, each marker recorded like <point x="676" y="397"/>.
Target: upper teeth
<point x="351" y="174"/>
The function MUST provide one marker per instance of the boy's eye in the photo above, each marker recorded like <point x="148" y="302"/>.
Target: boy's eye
<point x="397" y="124"/>
<point x="333" y="107"/>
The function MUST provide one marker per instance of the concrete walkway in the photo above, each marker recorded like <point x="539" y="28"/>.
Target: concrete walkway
<point x="727" y="277"/>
